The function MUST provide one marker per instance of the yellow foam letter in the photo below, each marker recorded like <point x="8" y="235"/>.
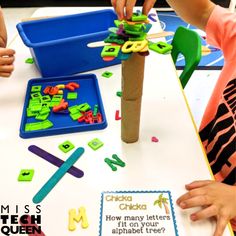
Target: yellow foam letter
<point x="81" y="216"/>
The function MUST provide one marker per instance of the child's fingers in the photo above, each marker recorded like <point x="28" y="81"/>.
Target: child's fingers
<point x="190" y="194"/>
<point x="220" y="226"/>
<point x="113" y="3"/>
<point x="129" y="8"/>
<point x="120" y="5"/>
<point x="4" y="74"/>
<point x="6" y="68"/>
<point x="7" y="60"/>
<point x="204" y="213"/>
<point x="197" y="184"/>
<point x="200" y="200"/>
<point x="147" y="6"/>
<point x="6" y="52"/>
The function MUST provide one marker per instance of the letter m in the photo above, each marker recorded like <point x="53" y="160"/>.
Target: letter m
<point x="80" y="217"/>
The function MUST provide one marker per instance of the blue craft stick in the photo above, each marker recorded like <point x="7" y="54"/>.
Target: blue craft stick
<point x="56" y="177"/>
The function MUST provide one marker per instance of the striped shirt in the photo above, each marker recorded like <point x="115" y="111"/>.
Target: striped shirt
<point x="218" y="127"/>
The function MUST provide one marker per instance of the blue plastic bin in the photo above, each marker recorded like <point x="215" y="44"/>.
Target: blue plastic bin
<point x="88" y="92"/>
<point x="59" y="45"/>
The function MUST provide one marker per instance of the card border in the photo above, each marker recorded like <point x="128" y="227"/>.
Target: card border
<point x="154" y="191"/>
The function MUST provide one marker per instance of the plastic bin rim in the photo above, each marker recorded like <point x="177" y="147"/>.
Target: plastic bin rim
<point x="71" y="77"/>
<point x="28" y="43"/>
<point x="59" y="41"/>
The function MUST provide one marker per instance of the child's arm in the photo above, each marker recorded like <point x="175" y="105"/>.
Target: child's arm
<point x="6" y="54"/>
<point x="195" y="12"/>
<point x="3" y="32"/>
<point x="216" y="199"/>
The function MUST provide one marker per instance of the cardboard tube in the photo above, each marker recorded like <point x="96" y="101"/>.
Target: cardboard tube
<point x="132" y="88"/>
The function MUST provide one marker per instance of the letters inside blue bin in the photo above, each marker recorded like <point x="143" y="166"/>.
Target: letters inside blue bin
<point x="88" y="92"/>
<point x="59" y="44"/>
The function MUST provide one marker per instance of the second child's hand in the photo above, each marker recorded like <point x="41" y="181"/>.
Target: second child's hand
<point x="124" y="8"/>
<point x="6" y="61"/>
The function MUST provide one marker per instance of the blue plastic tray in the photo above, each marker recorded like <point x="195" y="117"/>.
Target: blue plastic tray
<point x="88" y="92"/>
<point x="59" y="45"/>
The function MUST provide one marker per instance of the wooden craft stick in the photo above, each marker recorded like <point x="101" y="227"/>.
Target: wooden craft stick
<point x="160" y="35"/>
<point x="149" y="36"/>
<point x="36" y="18"/>
<point x="132" y="88"/>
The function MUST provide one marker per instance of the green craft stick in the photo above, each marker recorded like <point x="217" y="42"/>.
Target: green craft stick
<point x="57" y="176"/>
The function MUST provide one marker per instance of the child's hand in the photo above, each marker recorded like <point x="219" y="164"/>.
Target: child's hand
<point x="217" y="199"/>
<point x="6" y="61"/>
<point x="120" y="5"/>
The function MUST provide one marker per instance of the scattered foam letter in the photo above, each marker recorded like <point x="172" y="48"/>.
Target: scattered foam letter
<point x="81" y="216"/>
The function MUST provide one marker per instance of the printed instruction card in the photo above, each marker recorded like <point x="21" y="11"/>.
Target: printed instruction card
<point x="137" y="213"/>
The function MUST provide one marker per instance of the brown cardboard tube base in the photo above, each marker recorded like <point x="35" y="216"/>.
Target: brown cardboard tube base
<point x="132" y="77"/>
<point x="130" y="120"/>
<point x="132" y="88"/>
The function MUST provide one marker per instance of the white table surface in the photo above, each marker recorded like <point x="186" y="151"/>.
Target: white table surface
<point x="175" y="160"/>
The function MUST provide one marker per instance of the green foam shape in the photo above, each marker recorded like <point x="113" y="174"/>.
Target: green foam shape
<point x="107" y="74"/>
<point x="36" y="95"/>
<point x="36" y="88"/>
<point x="46" y="124"/>
<point x="136" y="17"/>
<point x="46" y="98"/>
<point x="57" y="98"/>
<point x="29" y="61"/>
<point x="76" y="116"/>
<point x="110" y="51"/>
<point x="66" y="146"/>
<point x="26" y="175"/>
<point x="42" y="116"/>
<point x="36" y="107"/>
<point x="160" y="47"/>
<point x="119" y="93"/>
<point x="95" y="144"/>
<point x="72" y="95"/>
<point x="114" y="161"/>
<point x="83" y="107"/>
